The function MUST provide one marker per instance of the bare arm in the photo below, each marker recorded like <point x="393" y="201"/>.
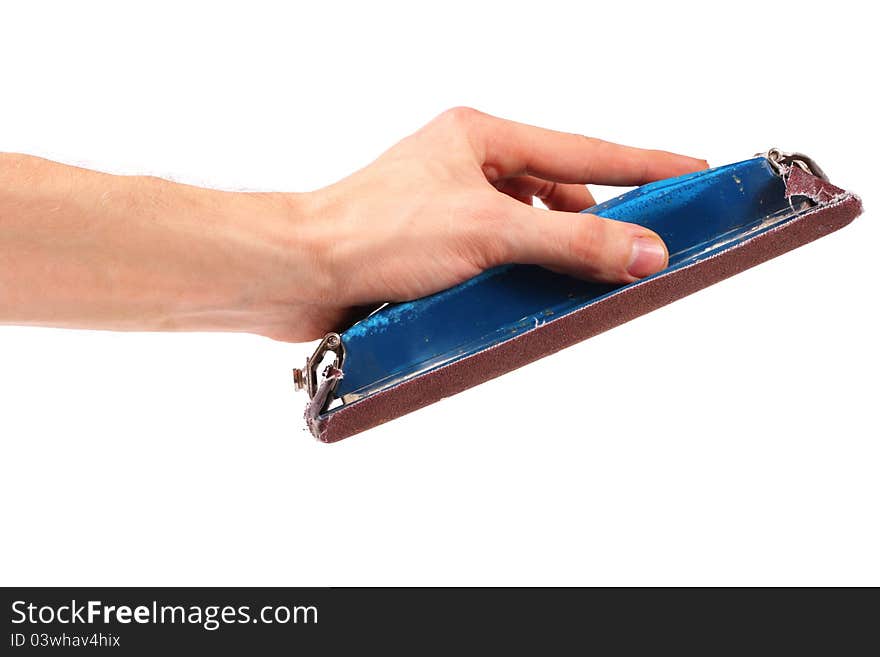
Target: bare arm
<point x="92" y="250"/>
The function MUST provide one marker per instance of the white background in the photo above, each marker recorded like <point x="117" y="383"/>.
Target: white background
<point x="730" y="438"/>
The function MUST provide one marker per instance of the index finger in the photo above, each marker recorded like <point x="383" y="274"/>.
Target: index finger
<point x="513" y="149"/>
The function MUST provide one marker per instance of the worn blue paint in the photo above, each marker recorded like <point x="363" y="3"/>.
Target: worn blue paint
<point x="696" y="215"/>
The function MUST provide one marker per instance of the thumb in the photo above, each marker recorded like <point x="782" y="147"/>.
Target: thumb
<point x="584" y="245"/>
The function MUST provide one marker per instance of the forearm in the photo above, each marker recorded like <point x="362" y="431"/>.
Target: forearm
<point x="80" y="248"/>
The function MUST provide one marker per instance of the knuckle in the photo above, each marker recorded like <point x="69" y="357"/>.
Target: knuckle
<point x="594" y="143"/>
<point x="547" y="189"/>
<point x="591" y="145"/>
<point x="459" y="118"/>
<point x="600" y="248"/>
<point x="582" y="239"/>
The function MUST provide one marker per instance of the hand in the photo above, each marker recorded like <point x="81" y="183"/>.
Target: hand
<point x="91" y="250"/>
<point x="455" y="198"/>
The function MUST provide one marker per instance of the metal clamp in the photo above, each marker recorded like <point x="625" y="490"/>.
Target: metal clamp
<point x="780" y="161"/>
<point x="307" y="377"/>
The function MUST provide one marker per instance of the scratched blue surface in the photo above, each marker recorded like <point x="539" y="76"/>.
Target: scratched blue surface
<point x="696" y="215"/>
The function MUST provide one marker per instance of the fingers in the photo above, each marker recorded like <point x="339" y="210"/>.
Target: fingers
<point x="556" y="196"/>
<point x="582" y="245"/>
<point x="511" y="149"/>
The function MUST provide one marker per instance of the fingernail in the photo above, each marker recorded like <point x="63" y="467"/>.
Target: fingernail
<point x="648" y="256"/>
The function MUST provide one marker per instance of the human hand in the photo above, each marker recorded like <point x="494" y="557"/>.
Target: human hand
<point x="455" y="198"/>
<point x="91" y="250"/>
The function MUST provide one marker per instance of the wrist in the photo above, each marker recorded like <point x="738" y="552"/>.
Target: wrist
<point x="278" y="279"/>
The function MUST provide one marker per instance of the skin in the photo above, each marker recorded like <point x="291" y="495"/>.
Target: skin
<point x="84" y="249"/>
